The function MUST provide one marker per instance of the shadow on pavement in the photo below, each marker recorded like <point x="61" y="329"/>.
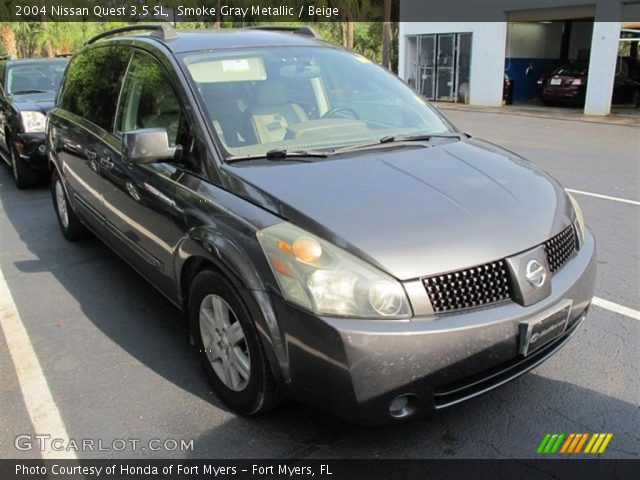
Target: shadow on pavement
<point x="509" y="422"/>
<point x="125" y="307"/>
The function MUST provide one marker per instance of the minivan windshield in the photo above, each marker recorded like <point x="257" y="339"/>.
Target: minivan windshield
<point x="34" y="77"/>
<point x="304" y="99"/>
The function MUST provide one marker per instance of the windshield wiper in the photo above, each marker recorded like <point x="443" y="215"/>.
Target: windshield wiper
<point x="386" y="140"/>
<point x="279" y="154"/>
<point x="418" y="138"/>
<point x="27" y="92"/>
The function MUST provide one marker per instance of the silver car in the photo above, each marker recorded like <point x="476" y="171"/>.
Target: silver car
<point x="331" y="237"/>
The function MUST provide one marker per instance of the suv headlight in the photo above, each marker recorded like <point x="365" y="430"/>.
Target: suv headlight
<point x="327" y="280"/>
<point x="579" y="220"/>
<point x="33" y="122"/>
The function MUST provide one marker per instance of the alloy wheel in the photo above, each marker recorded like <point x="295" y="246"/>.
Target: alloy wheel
<point x="224" y="342"/>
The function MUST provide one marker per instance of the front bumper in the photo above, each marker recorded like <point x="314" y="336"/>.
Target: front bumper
<point x="355" y="368"/>
<point x="30" y="147"/>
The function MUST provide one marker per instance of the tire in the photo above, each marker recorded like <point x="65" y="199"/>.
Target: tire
<point x="69" y="222"/>
<point x="23" y="175"/>
<point x="231" y="352"/>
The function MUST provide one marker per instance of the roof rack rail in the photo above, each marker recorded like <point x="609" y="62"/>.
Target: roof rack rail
<point x="304" y="30"/>
<point x="161" y="31"/>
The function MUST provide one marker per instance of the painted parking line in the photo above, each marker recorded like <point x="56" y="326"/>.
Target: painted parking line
<point x="604" y="197"/>
<point x="44" y="414"/>
<point x="614" y="307"/>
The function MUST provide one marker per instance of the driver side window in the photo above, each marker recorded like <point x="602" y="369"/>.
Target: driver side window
<point x="149" y="101"/>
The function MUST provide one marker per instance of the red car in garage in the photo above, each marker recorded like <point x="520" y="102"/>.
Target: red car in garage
<point x="568" y="84"/>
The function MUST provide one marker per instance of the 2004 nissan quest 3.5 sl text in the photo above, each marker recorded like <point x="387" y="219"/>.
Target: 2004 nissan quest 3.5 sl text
<point x="332" y="238"/>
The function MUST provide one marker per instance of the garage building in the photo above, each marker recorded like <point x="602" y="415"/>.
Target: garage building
<point x="467" y="61"/>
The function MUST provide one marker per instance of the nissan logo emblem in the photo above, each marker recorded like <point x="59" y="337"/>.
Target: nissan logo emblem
<point x="535" y="273"/>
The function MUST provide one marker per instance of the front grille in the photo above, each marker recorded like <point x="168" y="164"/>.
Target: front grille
<point x="473" y="287"/>
<point x="490" y="283"/>
<point x="560" y="248"/>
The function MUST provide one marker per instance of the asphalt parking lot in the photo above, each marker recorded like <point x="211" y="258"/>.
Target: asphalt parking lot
<point x="115" y="357"/>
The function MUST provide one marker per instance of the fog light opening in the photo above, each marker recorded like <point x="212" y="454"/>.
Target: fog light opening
<point x="404" y="406"/>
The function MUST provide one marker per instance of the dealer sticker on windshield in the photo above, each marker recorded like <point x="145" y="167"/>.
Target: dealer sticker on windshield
<point x="542" y="329"/>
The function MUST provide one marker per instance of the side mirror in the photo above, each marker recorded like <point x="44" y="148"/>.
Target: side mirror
<point x="147" y="145"/>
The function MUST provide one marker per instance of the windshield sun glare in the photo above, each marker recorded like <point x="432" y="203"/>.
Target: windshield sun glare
<point x="304" y="99"/>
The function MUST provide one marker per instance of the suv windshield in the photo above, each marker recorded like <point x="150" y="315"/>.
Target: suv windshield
<point x="304" y="99"/>
<point x="35" y="77"/>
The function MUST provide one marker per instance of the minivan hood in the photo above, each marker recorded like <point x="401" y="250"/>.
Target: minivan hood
<point x="415" y="211"/>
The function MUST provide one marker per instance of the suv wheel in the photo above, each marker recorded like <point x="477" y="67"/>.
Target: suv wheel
<point x="70" y="225"/>
<point x="229" y="346"/>
<point x="22" y="173"/>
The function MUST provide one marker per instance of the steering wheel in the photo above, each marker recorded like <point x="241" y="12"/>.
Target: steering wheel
<point x="341" y="108"/>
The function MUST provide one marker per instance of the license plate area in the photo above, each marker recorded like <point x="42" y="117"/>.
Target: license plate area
<point x="556" y="81"/>
<point x="543" y="328"/>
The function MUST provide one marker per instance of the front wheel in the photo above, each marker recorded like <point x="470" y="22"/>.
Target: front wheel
<point x="229" y="347"/>
<point x="69" y="222"/>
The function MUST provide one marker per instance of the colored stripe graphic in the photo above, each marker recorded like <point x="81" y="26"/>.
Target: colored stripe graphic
<point x="555" y="447"/>
<point x="582" y="440"/>
<point x="543" y="443"/>
<point x="592" y="440"/>
<point x="605" y="443"/>
<point x="572" y="443"/>
<point x="596" y="446"/>
<point x="550" y="443"/>
<point x="565" y="447"/>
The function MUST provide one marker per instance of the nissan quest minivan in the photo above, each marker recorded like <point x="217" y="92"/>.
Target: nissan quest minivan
<point x="330" y="236"/>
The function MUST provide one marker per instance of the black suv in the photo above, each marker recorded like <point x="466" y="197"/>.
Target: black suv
<point x="330" y="235"/>
<point x="27" y="93"/>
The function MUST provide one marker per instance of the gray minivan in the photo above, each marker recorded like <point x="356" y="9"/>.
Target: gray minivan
<point x="331" y="237"/>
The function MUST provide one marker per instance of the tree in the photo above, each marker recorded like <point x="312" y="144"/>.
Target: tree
<point x="45" y="37"/>
<point x="386" y="34"/>
<point x="8" y="38"/>
<point x="351" y="9"/>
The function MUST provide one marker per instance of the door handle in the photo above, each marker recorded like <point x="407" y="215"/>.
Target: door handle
<point x="91" y="154"/>
<point x="106" y="162"/>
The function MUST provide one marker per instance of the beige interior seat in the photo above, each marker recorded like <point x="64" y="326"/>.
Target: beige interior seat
<point x="272" y="114"/>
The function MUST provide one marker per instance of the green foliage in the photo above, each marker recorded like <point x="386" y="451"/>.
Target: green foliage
<point x="33" y="39"/>
<point x="91" y="89"/>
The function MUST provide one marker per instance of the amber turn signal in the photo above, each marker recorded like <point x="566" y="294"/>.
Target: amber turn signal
<point x="307" y="249"/>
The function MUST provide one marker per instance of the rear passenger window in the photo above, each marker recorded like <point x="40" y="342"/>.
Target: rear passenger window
<point x="149" y="101"/>
<point x="92" y="84"/>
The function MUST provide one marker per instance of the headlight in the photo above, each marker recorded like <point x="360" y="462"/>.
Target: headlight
<point x="579" y="220"/>
<point x="327" y="280"/>
<point x="33" y="122"/>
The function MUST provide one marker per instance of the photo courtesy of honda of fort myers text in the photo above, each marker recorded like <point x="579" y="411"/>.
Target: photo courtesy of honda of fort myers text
<point x="334" y="239"/>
